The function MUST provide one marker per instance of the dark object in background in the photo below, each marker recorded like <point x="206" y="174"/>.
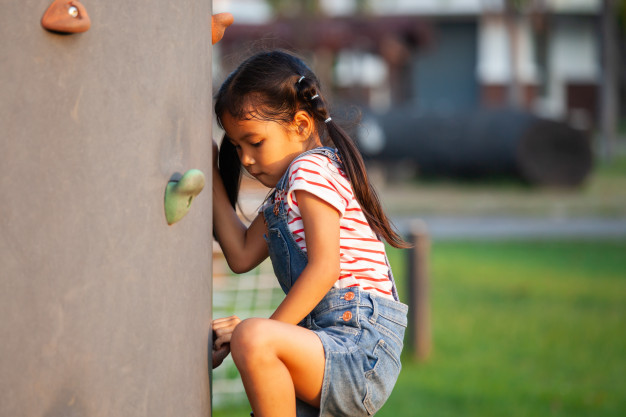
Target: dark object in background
<point x="497" y="142"/>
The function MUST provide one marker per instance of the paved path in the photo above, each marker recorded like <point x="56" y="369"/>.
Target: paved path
<point x="516" y="228"/>
<point x="492" y="227"/>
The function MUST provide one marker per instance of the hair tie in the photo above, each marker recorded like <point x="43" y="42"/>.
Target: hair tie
<point x="328" y="120"/>
<point x="315" y="96"/>
<point x="301" y="78"/>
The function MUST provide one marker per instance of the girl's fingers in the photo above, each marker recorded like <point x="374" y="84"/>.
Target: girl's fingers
<point x="221" y="340"/>
<point x="223" y="329"/>
<point x="226" y="319"/>
<point x="225" y="322"/>
<point x="220" y="354"/>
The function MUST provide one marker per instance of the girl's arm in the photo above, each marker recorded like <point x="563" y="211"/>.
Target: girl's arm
<point x="321" y="229"/>
<point x="243" y="247"/>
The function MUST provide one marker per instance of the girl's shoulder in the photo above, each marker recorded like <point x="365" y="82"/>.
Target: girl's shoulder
<point x="321" y="176"/>
<point x="317" y="164"/>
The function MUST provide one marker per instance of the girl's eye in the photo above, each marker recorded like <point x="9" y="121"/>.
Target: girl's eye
<point x="257" y="144"/>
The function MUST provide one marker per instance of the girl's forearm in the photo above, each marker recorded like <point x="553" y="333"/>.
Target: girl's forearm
<point x="321" y="228"/>
<point x="243" y="247"/>
<point x="306" y="293"/>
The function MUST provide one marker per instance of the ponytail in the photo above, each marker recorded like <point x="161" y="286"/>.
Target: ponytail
<point x="229" y="167"/>
<point x="308" y="92"/>
<point x="365" y="193"/>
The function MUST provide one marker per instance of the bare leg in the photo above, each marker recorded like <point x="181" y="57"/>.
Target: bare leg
<point x="278" y="362"/>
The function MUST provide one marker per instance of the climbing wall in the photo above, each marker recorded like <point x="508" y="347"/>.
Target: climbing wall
<point x="104" y="307"/>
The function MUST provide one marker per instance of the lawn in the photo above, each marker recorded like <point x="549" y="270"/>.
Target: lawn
<point x="519" y="329"/>
<point x="522" y="329"/>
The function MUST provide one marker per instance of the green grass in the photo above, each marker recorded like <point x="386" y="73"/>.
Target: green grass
<point x="519" y="329"/>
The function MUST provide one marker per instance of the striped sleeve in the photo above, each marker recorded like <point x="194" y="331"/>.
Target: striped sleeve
<point x="317" y="175"/>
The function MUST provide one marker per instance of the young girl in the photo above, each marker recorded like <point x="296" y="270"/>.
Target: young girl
<point x="332" y="347"/>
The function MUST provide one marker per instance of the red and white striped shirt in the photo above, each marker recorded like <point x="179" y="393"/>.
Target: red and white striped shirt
<point x="363" y="261"/>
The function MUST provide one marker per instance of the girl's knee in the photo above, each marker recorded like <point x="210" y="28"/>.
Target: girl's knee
<point x="250" y="339"/>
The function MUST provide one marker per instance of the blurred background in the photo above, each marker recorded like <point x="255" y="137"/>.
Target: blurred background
<point x="498" y="127"/>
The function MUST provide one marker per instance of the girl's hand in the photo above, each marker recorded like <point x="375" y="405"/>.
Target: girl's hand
<point x="222" y="332"/>
<point x="220" y="354"/>
<point x="223" y="329"/>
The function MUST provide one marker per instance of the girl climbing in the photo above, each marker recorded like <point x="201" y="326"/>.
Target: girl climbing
<point x="332" y="347"/>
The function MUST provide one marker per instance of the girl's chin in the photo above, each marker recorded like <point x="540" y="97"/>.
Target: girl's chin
<point x="265" y="180"/>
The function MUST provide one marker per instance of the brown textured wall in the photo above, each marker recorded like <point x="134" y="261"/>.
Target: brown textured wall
<point x="104" y="308"/>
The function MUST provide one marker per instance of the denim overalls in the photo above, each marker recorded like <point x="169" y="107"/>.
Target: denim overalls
<point x="362" y="333"/>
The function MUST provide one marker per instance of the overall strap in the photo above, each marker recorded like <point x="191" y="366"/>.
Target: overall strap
<point x="331" y="153"/>
<point x="394" y="290"/>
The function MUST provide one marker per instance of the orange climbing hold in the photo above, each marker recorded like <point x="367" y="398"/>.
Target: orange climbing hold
<point x="219" y="23"/>
<point x="66" y="16"/>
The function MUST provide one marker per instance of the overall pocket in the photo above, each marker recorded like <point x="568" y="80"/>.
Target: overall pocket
<point x="380" y="380"/>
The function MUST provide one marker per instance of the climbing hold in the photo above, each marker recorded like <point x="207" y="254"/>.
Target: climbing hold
<point x="180" y="194"/>
<point x="219" y="23"/>
<point x="66" y="16"/>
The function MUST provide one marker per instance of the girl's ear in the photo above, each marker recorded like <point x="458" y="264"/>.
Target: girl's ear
<point x="304" y="124"/>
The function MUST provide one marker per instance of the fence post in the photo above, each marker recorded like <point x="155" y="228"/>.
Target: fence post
<point x="419" y="302"/>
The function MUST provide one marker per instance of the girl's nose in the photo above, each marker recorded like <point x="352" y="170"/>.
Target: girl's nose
<point x="246" y="159"/>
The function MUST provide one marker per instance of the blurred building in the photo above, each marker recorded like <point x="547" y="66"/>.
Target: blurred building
<point x="445" y="55"/>
<point x="544" y="57"/>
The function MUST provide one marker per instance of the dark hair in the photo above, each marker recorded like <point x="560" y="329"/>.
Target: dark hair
<point x="276" y="85"/>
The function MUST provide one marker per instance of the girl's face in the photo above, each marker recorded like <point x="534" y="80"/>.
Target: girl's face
<point x="266" y="148"/>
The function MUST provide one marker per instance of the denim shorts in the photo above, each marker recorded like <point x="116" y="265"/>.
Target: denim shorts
<point x="362" y="336"/>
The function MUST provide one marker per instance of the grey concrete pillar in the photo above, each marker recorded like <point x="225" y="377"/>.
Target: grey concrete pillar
<point x="104" y="308"/>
